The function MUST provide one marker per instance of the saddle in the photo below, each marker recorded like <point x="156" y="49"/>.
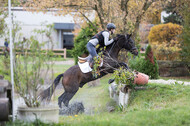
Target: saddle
<point x="86" y="59"/>
<point x="86" y="64"/>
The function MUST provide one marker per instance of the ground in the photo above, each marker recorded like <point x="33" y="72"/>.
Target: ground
<point x="160" y="104"/>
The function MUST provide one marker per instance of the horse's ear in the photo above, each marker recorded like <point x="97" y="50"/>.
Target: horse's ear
<point x="129" y="35"/>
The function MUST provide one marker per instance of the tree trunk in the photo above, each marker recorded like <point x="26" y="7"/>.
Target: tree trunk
<point x="139" y="17"/>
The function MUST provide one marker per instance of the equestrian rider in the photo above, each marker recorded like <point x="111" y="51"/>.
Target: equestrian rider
<point x="101" y="38"/>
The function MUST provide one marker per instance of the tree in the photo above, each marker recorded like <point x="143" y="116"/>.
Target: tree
<point x="182" y="7"/>
<point x="151" y="65"/>
<point x="3" y="15"/>
<point x="174" y="16"/>
<point x="123" y="13"/>
<point x="185" y="53"/>
<point x="86" y="33"/>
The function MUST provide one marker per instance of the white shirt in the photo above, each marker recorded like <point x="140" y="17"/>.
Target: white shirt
<point x="106" y="39"/>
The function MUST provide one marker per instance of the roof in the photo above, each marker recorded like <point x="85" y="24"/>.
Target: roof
<point x="65" y="26"/>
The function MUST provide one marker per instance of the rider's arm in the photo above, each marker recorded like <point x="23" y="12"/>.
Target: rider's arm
<point x="106" y="38"/>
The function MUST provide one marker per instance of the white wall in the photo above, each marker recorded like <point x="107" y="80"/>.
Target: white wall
<point x="32" y="20"/>
<point x="163" y="14"/>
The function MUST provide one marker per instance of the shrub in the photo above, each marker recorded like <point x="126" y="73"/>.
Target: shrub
<point x="165" y="42"/>
<point x="31" y="69"/>
<point x="185" y="52"/>
<point x="148" y="65"/>
<point x="82" y="39"/>
<point x="5" y="67"/>
<point x="33" y="66"/>
<point x="69" y="53"/>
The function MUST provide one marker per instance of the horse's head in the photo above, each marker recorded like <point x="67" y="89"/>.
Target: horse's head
<point x="128" y="43"/>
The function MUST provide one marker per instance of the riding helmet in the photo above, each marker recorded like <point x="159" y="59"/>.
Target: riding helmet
<point x="111" y="26"/>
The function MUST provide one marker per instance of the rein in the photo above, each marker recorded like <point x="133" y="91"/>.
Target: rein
<point x="113" y="46"/>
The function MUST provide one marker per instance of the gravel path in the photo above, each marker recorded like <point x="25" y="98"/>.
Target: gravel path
<point x="68" y="62"/>
<point x="170" y="81"/>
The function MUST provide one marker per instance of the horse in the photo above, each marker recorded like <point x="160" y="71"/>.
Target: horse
<point x="73" y="78"/>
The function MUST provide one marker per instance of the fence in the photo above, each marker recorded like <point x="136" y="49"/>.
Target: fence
<point x="57" y="52"/>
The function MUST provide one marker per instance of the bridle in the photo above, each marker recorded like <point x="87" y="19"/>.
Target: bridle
<point x="131" y="50"/>
<point x="133" y="47"/>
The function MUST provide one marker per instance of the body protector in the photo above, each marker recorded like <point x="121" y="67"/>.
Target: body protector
<point x="100" y="38"/>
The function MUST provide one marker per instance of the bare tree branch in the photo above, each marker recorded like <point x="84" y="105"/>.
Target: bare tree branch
<point x="139" y="17"/>
<point x="99" y="16"/>
<point x="124" y="7"/>
<point x="88" y="19"/>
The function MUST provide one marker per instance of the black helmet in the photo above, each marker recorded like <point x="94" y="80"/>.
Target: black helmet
<point x="110" y="26"/>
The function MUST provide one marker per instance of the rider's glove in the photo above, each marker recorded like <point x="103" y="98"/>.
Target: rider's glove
<point x="115" y="38"/>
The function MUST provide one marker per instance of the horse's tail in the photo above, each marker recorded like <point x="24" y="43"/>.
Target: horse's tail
<point x="46" y="94"/>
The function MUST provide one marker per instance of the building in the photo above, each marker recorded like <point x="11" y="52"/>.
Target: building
<point x="62" y="35"/>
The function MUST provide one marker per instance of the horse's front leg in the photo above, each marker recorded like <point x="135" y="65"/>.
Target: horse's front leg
<point x="124" y="64"/>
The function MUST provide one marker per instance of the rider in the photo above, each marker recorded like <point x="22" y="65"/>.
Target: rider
<point x="101" y="38"/>
<point x="6" y="44"/>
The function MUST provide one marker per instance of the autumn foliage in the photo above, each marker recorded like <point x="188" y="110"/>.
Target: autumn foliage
<point x="164" y="39"/>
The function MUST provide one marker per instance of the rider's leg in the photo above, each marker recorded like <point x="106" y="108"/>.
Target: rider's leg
<point x="91" y="49"/>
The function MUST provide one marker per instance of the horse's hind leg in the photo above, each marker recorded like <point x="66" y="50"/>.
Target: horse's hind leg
<point x="60" y="99"/>
<point x="66" y="97"/>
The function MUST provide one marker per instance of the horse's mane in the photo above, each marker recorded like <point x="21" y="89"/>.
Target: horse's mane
<point x="120" y="38"/>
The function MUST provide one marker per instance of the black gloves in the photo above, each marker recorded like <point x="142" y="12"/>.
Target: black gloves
<point x="115" y="38"/>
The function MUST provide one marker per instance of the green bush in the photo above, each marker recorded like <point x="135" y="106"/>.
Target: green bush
<point x="148" y="65"/>
<point x="5" y="67"/>
<point x="69" y="53"/>
<point x="82" y="39"/>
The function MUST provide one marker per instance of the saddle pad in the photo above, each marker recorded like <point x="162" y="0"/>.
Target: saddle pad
<point x="85" y="67"/>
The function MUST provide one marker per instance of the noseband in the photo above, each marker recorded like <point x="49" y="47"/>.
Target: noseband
<point x="133" y="48"/>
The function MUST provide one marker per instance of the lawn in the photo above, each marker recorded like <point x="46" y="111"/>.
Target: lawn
<point x="167" y="105"/>
<point x="158" y="105"/>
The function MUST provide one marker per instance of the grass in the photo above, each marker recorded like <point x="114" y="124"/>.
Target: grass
<point x="187" y="78"/>
<point x="94" y="99"/>
<point x="166" y="105"/>
<point x="61" y="68"/>
<point x="159" y="105"/>
<point x="57" y="68"/>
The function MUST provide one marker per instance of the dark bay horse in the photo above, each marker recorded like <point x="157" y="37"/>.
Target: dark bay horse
<point x="73" y="78"/>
